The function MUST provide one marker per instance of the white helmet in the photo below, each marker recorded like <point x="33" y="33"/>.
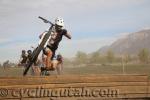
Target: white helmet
<point x="59" y="21"/>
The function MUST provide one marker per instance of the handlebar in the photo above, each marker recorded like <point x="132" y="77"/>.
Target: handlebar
<point x="45" y="20"/>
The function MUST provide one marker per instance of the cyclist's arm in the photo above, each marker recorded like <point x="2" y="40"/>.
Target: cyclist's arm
<point x="68" y="35"/>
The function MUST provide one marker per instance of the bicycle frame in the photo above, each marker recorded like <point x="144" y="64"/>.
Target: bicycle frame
<point x="40" y="47"/>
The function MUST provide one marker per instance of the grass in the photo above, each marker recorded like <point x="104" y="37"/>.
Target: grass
<point x="16" y="71"/>
<point x="110" y="69"/>
<point x="90" y="69"/>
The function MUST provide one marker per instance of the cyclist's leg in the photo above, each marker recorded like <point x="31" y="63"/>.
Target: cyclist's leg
<point x="44" y="59"/>
<point x="49" y="54"/>
<point x="52" y="60"/>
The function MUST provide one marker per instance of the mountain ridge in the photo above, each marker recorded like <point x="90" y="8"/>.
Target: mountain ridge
<point x="130" y="44"/>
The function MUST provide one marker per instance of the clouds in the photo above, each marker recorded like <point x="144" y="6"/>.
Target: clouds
<point x="3" y="40"/>
<point x="12" y="50"/>
<point x="93" y="22"/>
<point x="68" y="48"/>
<point x="63" y="7"/>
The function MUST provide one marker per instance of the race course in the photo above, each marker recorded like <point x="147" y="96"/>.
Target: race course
<point x="76" y="87"/>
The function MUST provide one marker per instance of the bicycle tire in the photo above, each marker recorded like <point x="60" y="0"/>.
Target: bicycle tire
<point x="37" y="51"/>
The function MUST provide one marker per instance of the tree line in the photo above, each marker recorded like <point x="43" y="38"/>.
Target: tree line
<point x="96" y="57"/>
<point x="143" y="56"/>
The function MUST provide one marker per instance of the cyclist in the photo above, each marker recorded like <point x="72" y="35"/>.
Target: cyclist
<point x="23" y="58"/>
<point x="56" y="36"/>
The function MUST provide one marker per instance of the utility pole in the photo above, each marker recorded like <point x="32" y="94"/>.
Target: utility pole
<point x="123" y="66"/>
<point x="122" y="61"/>
<point x="145" y="40"/>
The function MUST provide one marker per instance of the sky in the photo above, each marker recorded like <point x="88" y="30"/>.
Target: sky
<point x="92" y="23"/>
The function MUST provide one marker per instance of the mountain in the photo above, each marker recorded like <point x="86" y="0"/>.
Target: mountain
<point x="130" y="44"/>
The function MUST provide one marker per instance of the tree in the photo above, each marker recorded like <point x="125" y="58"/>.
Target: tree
<point x="81" y="57"/>
<point x="127" y="58"/>
<point x="144" y="55"/>
<point x="95" y="57"/>
<point x="110" y="56"/>
<point x="6" y="64"/>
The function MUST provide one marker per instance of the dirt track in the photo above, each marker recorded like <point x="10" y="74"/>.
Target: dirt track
<point x="75" y="87"/>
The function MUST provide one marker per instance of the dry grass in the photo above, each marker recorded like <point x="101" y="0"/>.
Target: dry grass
<point x="89" y="69"/>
